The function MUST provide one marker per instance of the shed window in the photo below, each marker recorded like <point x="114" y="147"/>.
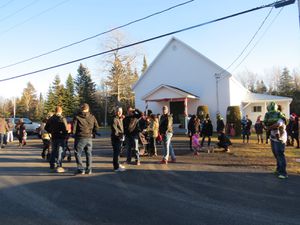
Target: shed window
<point x="256" y="108"/>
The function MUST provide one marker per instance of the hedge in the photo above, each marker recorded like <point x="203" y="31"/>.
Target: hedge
<point x="233" y="115"/>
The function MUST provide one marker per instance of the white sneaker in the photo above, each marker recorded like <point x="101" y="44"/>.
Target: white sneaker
<point x="60" y="170"/>
<point x="121" y="166"/>
<point x="120" y="169"/>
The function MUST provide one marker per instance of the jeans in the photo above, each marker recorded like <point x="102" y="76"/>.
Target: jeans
<point x="86" y="145"/>
<point x="167" y="147"/>
<point x="151" y="147"/>
<point x="278" y="151"/>
<point x="58" y="146"/>
<point x="132" y="145"/>
<point x="116" y="144"/>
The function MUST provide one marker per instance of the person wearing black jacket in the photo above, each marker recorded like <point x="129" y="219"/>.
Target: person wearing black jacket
<point x="220" y="123"/>
<point x="117" y="138"/>
<point x="207" y="131"/>
<point x="166" y="130"/>
<point x="57" y="127"/>
<point x="84" y="126"/>
<point x="131" y="131"/>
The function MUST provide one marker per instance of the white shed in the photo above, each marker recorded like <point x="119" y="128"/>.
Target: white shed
<point x="183" y="79"/>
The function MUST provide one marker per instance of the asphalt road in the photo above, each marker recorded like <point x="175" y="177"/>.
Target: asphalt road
<point x="185" y="193"/>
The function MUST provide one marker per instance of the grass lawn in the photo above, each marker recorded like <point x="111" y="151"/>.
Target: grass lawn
<point x="250" y="155"/>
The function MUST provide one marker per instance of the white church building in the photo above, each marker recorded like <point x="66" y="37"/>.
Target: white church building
<point x="184" y="79"/>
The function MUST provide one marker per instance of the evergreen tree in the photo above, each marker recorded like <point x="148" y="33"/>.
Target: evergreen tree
<point x="40" y="108"/>
<point x="145" y="65"/>
<point x="49" y="105"/>
<point x="286" y="85"/>
<point x="85" y="88"/>
<point x="55" y="96"/>
<point x="261" y="87"/>
<point x="70" y="100"/>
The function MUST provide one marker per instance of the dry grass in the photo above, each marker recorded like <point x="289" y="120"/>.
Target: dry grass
<point x="250" y="155"/>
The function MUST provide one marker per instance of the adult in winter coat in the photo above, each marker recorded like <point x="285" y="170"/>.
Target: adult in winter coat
<point x="21" y="133"/>
<point x="166" y="130"/>
<point x="259" y="130"/>
<point x="207" y="131"/>
<point x="84" y="126"/>
<point x="57" y="127"/>
<point x="3" y="130"/>
<point x="246" y="128"/>
<point x="132" y="130"/>
<point x="153" y="134"/>
<point x="220" y="124"/>
<point x="117" y="138"/>
<point x="295" y="130"/>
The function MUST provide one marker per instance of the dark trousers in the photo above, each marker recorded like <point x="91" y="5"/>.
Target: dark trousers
<point x="116" y="144"/>
<point x="86" y="145"/>
<point x="209" y="140"/>
<point x="295" y="136"/>
<point x="46" y="146"/>
<point x="58" y="146"/>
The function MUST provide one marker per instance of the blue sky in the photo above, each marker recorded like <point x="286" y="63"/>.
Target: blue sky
<point x="32" y="27"/>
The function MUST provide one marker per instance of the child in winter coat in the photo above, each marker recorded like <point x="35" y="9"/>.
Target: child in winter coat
<point x="195" y="143"/>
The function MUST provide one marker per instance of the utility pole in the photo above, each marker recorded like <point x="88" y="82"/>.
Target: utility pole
<point x="105" y="115"/>
<point x="217" y="76"/>
<point x="14" y="103"/>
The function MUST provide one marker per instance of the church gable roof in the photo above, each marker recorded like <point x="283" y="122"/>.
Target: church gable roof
<point x="164" y="92"/>
<point x="193" y="53"/>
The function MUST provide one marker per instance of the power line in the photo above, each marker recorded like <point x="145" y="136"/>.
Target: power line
<point x="246" y="56"/>
<point x="97" y="35"/>
<point x="6" y="4"/>
<point x="249" y="42"/>
<point x="19" y="10"/>
<point x="32" y="17"/>
<point x="139" y="42"/>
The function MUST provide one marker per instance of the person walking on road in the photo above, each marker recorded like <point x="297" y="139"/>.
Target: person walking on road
<point x="117" y="139"/>
<point x="166" y="130"/>
<point x="57" y="127"/>
<point x="21" y="133"/>
<point x="131" y="131"/>
<point x="3" y="130"/>
<point x="10" y="136"/>
<point x="84" y="126"/>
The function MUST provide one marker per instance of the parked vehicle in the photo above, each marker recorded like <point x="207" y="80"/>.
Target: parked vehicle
<point x="31" y="127"/>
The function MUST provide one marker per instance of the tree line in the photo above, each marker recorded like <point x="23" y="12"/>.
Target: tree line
<point x="282" y="82"/>
<point x="112" y="91"/>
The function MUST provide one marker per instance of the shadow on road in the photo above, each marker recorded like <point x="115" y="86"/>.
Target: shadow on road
<point x="152" y="197"/>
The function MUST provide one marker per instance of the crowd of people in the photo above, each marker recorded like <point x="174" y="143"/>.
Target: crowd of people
<point x="7" y="135"/>
<point x="137" y="130"/>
